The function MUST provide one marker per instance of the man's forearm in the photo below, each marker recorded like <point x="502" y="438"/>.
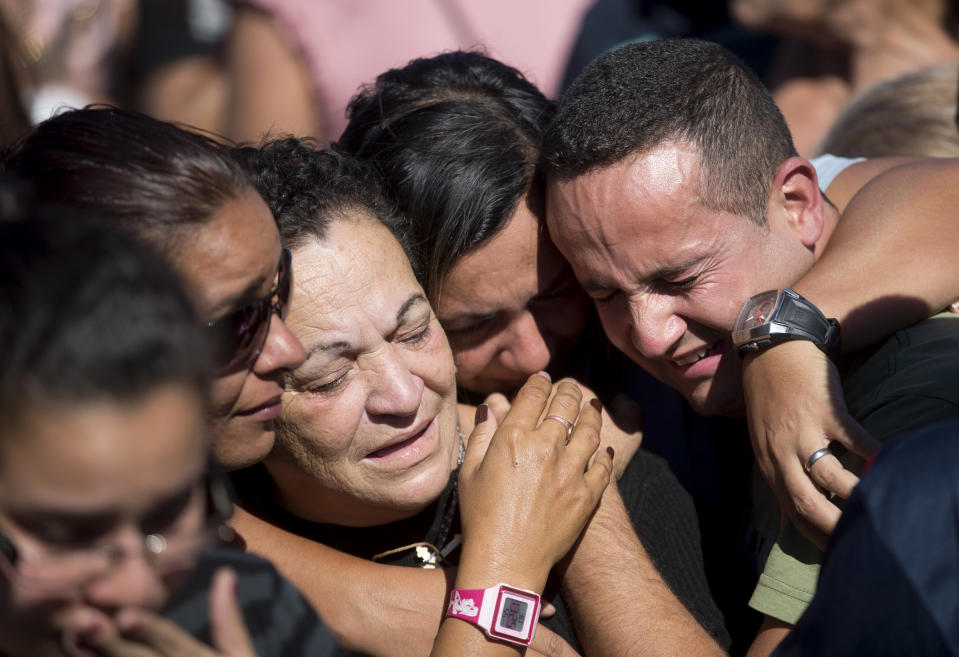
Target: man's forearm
<point x="620" y="603"/>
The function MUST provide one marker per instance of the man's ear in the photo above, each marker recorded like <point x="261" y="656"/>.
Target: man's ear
<point x="797" y="197"/>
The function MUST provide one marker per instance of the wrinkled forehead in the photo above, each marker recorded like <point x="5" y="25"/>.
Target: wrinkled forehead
<point x="591" y="202"/>
<point x="638" y="216"/>
<point x="593" y="210"/>
<point x="358" y="268"/>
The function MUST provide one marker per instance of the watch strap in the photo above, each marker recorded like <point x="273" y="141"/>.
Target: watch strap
<point x="465" y="604"/>
<point x="504" y="612"/>
<point x="795" y="318"/>
<point x="800" y="315"/>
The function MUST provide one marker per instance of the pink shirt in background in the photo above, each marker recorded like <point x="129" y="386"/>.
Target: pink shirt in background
<point x="347" y="43"/>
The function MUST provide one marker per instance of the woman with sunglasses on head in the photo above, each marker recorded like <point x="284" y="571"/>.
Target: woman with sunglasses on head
<point x="183" y="194"/>
<point x="110" y="515"/>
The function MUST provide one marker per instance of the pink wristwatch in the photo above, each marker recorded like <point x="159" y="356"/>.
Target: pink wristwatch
<point x="504" y="612"/>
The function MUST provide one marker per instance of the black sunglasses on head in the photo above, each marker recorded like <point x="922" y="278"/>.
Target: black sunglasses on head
<point x="239" y="336"/>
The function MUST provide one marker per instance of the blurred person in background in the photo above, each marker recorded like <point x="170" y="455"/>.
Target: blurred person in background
<point x="159" y="56"/>
<point x="295" y="64"/>
<point x="912" y="115"/>
<point x="815" y="56"/>
<point x="833" y="51"/>
<point x="111" y="534"/>
<point x="14" y="120"/>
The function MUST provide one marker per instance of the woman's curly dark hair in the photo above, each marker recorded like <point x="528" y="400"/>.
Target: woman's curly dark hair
<point x="307" y="187"/>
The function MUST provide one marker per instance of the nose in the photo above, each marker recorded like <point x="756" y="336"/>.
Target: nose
<point x="132" y="581"/>
<point x="282" y="350"/>
<point x="395" y="388"/>
<point x="654" y="326"/>
<point x="524" y="349"/>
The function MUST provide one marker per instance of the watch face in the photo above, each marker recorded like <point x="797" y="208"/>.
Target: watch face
<point x="515" y="615"/>
<point x="757" y="311"/>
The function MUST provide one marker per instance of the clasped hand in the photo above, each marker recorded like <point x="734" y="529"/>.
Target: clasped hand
<point x="528" y="485"/>
<point x="795" y="406"/>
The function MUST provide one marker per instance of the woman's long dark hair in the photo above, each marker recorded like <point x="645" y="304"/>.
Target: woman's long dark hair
<point x="148" y="177"/>
<point x="456" y="137"/>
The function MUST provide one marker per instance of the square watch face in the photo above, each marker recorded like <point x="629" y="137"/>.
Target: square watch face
<point x="514" y="615"/>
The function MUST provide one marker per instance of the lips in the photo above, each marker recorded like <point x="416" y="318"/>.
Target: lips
<point x="400" y="443"/>
<point x="691" y="358"/>
<point x="265" y="411"/>
<point x="695" y="356"/>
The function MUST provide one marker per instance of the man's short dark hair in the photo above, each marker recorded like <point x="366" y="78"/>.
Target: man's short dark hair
<point x="637" y="97"/>
<point x="87" y="314"/>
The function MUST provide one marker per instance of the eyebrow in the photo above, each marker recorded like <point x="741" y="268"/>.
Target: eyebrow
<point x="341" y="345"/>
<point x="671" y="271"/>
<point x="406" y="307"/>
<point x="469" y="318"/>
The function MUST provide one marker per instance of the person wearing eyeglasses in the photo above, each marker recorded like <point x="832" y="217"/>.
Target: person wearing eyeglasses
<point x="184" y="195"/>
<point x="111" y="517"/>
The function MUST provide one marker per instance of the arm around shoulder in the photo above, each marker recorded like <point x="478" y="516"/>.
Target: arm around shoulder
<point x="372" y="608"/>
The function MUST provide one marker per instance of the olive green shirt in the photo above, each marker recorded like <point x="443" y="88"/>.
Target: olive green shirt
<point x="910" y="381"/>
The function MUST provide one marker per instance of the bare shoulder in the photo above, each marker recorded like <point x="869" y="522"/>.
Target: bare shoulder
<point x="854" y="177"/>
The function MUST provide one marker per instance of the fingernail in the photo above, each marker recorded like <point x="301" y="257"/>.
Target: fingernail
<point x="482" y="411"/>
<point x="128" y="621"/>
<point x="546" y="374"/>
<point x="90" y="630"/>
<point x="233" y="581"/>
<point x="85" y="634"/>
<point x="595" y="403"/>
<point x="131" y="626"/>
<point x="954" y="307"/>
<point x="611" y="451"/>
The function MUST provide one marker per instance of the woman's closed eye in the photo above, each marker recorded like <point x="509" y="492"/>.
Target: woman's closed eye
<point x="415" y="335"/>
<point x="331" y="385"/>
<point x="475" y="329"/>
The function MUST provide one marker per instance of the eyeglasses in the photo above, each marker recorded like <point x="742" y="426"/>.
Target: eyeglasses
<point x="239" y="336"/>
<point x="53" y="569"/>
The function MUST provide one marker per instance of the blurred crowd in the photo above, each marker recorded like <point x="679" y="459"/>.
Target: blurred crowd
<point x="245" y="68"/>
